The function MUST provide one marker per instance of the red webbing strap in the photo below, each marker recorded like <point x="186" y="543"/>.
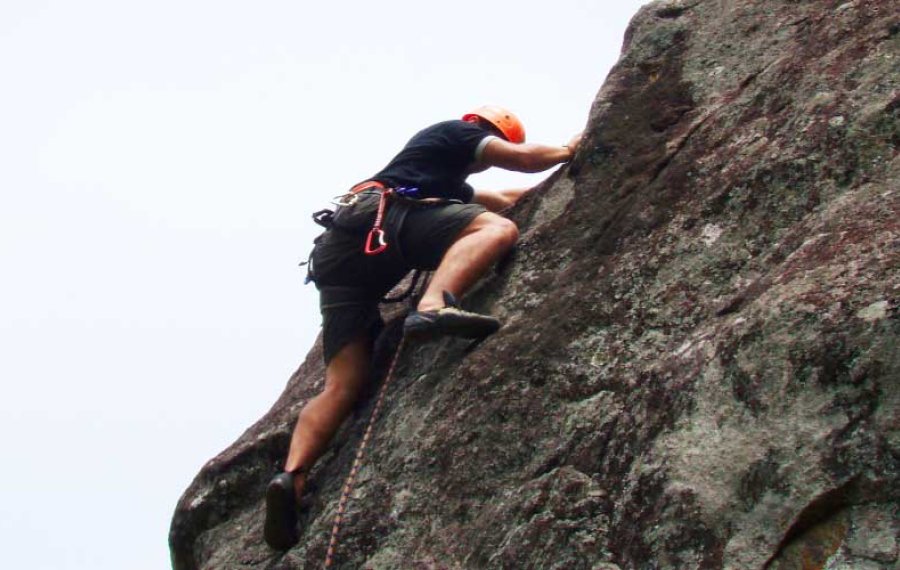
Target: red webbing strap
<point x="376" y="233"/>
<point x="366" y="185"/>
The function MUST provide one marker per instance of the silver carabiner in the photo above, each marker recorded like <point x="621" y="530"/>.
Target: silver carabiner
<point x="345" y="199"/>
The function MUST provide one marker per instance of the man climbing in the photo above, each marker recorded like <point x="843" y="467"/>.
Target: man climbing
<point x="427" y="217"/>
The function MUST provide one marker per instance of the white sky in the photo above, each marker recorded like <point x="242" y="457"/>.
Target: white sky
<point x="158" y="165"/>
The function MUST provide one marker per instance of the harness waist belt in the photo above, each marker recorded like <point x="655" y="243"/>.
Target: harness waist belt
<point x="366" y="185"/>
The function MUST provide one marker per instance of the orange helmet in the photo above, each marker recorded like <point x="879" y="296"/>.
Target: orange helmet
<point x="504" y="120"/>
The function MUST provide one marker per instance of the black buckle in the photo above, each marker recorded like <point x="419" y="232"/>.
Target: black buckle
<point x="324" y="218"/>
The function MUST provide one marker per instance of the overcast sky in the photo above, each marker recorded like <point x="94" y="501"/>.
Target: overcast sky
<point x="158" y="165"/>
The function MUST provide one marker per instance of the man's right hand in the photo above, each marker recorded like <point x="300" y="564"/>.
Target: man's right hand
<point x="574" y="143"/>
<point x="527" y="157"/>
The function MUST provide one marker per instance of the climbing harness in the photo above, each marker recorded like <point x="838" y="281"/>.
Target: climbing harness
<point x="376" y="239"/>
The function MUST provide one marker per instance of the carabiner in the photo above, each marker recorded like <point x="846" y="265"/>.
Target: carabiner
<point x="375" y="233"/>
<point x="345" y="199"/>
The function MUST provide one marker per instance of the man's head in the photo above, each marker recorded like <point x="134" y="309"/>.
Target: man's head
<point x="505" y="122"/>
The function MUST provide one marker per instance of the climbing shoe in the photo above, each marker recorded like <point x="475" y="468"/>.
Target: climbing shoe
<point x="280" y="530"/>
<point x="449" y="321"/>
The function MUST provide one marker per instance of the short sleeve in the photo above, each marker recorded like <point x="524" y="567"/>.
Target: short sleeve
<point x="469" y="140"/>
<point x="479" y="150"/>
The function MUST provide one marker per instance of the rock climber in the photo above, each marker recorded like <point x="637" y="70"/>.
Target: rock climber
<point x="431" y="219"/>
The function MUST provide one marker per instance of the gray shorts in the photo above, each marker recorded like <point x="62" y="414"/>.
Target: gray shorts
<point x="352" y="283"/>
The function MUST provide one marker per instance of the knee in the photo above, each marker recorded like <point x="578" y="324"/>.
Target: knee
<point x="504" y="231"/>
<point x="341" y="395"/>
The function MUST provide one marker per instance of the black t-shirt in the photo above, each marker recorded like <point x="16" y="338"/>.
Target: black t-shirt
<point x="437" y="161"/>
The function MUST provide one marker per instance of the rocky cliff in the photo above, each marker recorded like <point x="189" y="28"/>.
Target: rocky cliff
<point x="699" y="366"/>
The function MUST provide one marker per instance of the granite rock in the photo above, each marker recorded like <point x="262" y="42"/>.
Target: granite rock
<point x="699" y="366"/>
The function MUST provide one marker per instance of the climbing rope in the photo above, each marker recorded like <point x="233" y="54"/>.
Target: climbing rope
<point x="420" y="280"/>
<point x="357" y="461"/>
<point x="417" y="276"/>
<point x="376" y="234"/>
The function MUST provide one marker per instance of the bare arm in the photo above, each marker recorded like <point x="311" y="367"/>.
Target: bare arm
<point x="527" y="157"/>
<point x="497" y="200"/>
<point x="520" y="158"/>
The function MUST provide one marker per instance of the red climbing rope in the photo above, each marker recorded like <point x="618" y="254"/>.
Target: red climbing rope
<point x="357" y="461"/>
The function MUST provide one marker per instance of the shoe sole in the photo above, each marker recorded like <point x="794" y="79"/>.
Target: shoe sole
<point x="464" y="326"/>
<point x="280" y="529"/>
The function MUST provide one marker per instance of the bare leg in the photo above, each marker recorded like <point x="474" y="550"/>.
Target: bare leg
<point x="321" y="417"/>
<point x="485" y="240"/>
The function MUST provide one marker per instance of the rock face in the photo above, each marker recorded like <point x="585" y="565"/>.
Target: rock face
<point x="699" y="366"/>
